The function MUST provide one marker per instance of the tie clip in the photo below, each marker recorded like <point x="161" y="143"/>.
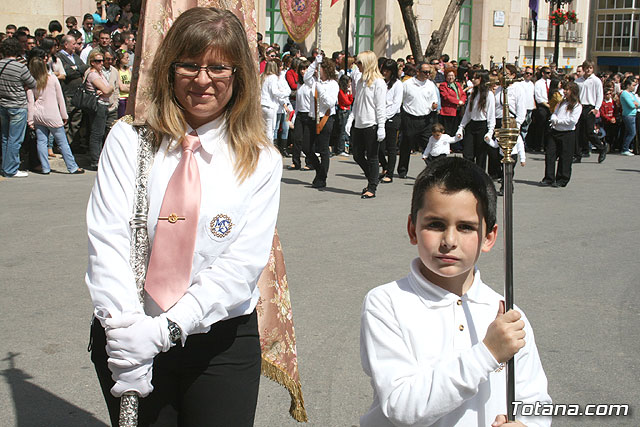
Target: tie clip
<point x="173" y="218"/>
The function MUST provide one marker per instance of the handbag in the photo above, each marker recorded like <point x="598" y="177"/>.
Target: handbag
<point x="85" y="99"/>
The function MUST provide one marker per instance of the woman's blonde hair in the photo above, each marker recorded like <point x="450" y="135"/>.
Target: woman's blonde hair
<point x="92" y="56"/>
<point x="370" y="70"/>
<point x="195" y="32"/>
<point x="271" y="67"/>
<point x="38" y="70"/>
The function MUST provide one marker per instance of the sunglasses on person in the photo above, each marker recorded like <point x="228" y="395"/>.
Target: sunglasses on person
<point x="423" y="71"/>
<point x="98" y="60"/>
<point x="528" y="73"/>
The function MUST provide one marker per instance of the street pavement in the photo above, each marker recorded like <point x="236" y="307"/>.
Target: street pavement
<point x="576" y="276"/>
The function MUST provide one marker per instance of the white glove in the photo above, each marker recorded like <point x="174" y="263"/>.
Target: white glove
<point x="319" y="58"/>
<point x="136" y="379"/>
<point x="138" y="343"/>
<point x="347" y="127"/>
<point x="492" y="143"/>
<point x="381" y="133"/>
<point x="460" y="133"/>
<point x="487" y="137"/>
<point x="554" y="121"/>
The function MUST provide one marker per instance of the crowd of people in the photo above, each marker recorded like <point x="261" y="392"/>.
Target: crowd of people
<point x="41" y="73"/>
<point x="379" y="110"/>
<point x="382" y="110"/>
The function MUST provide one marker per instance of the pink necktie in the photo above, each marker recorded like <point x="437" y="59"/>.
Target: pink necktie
<point x="169" y="272"/>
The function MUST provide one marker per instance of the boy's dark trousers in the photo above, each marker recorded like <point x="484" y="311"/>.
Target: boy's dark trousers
<point x="586" y="125"/>
<point x="415" y="132"/>
<point x="559" y="144"/>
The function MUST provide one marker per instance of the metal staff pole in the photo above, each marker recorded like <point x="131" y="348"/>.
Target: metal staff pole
<point x="507" y="137"/>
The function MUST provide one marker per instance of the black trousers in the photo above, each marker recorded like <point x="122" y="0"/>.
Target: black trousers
<point x="586" y="125"/>
<point x="473" y="146"/>
<point x="415" y="132"/>
<point x="560" y="145"/>
<point x="212" y="381"/>
<point x="320" y="145"/>
<point x="365" y="152"/>
<point x="540" y="121"/>
<point x="389" y="147"/>
<point x="297" y="135"/>
<point x="98" y="121"/>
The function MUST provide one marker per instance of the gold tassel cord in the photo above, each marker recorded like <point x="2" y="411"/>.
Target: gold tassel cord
<point x="274" y="373"/>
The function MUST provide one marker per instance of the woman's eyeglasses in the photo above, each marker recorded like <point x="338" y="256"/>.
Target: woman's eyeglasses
<point x="98" y="60"/>
<point x="213" y="71"/>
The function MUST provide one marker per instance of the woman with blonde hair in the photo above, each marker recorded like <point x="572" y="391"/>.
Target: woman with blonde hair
<point x="47" y="114"/>
<point x="95" y="82"/>
<point x="213" y="185"/>
<point x="366" y="124"/>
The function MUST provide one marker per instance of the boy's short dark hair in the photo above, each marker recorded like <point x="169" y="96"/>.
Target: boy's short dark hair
<point x="456" y="174"/>
<point x="55" y="25"/>
<point x="437" y="127"/>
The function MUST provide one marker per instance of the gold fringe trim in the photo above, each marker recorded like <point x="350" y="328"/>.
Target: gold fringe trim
<point x="128" y="119"/>
<point x="274" y="373"/>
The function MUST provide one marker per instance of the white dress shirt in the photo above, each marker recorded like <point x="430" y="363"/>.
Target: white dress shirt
<point x="541" y="91"/>
<point x="327" y="92"/>
<point x="304" y="97"/>
<point x="436" y="147"/>
<point x="517" y="108"/>
<point x="273" y="95"/>
<point x="422" y="347"/>
<point x="394" y="99"/>
<point x="225" y="269"/>
<point x="369" y="102"/>
<point x="418" y="96"/>
<point x="476" y="114"/>
<point x="284" y="88"/>
<point x="563" y="119"/>
<point x="591" y="92"/>
<point x="527" y="89"/>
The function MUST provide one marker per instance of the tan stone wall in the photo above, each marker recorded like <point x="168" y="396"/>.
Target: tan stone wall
<point x="38" y="13"/>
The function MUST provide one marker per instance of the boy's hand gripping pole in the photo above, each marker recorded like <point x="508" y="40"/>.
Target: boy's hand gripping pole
<point x="507" y="137"/>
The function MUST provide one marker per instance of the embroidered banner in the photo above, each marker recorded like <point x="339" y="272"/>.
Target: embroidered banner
<point x="299" y="17"/>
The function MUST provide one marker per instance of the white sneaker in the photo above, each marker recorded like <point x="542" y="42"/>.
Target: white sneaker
<point x="20" y="174"/>
<point x="343" y="154"/>
<point x="627" y="153"/>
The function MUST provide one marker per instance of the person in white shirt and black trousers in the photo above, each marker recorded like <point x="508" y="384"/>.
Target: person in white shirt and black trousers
<point x="561" y="139"/>
<point x="591" y="95"/>
<point x="368" y="115"/>
<point x="479" y="120"/>
<point x="419" y="100"/>
<point x="542" y="112"/>
<point x="321" y="75"/>
<point x="389" y="147"/>
<point x="192" y="350"/>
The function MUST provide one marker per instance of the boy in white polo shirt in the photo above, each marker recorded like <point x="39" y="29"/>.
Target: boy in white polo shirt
<point x="434" y="342"/>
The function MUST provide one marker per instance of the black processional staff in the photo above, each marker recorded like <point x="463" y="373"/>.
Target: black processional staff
<point x="507" y="137"/>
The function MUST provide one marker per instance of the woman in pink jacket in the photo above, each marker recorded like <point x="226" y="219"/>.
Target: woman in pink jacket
<point x="47" y="114"/>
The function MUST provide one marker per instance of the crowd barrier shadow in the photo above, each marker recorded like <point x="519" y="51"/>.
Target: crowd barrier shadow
<point x="35" y="406"/>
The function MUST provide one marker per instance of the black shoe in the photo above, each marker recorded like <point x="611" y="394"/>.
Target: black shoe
<point x="577" y="159"/>
<point x="368" y="196"/>
<point x="92" y="168"/>
<point x="78" y="171"/>
<point x="546" y="183"/>
<point x="293" y="168"/>
<point x="402" y="175"/>
<point x="603" y="153"/>
<point x="318" y="184"/>
<point x="562" y="184"/>
<point x="586" y="154"/>
<point x="555" y="184"/>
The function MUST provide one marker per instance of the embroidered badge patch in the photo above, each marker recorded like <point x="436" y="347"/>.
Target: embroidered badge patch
<point x="221" y="225"/>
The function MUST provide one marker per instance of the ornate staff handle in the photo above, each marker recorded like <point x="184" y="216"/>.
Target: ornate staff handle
<point x="507" y="137"/>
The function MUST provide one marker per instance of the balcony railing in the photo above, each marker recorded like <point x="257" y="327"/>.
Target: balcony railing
<point x="569" y="33"/>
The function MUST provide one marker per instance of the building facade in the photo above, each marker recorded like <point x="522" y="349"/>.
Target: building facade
<point x="614" y="44"/>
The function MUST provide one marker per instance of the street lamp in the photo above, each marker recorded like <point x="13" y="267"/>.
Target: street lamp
<point x="556" y="4"/>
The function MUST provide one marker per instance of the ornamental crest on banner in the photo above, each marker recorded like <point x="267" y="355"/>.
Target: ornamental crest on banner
<point x="299" y="17"/>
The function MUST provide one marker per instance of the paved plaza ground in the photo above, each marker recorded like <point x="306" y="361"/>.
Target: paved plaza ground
<point x="577" y="277"/>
